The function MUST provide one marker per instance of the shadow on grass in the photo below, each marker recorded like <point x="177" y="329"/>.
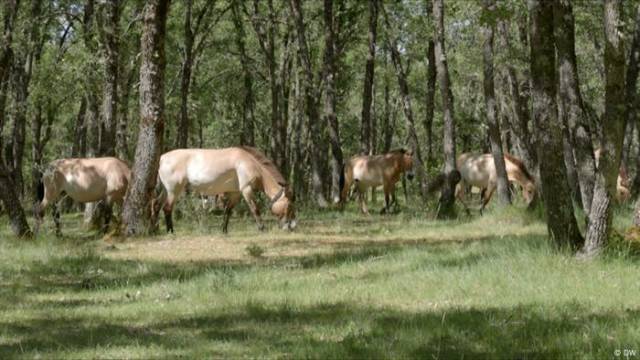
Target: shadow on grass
<point x="342" y="330"/>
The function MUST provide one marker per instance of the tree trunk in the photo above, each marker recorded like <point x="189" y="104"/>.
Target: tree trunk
<point x="247" y="136"/>
<point x="365" y="129"/>
<point x="561" y="222"/>
<point x="110" y="33"/>
<point x="329" y="73"/>
<point x="182" y="132"/>
<point x="122" y="144"/>
<point x="8" y="195"/>
<point x="412" y="137"/>
<point x="631" y="98"/>
<point x="447" y="206"/>
<point x="613" y="124"/>
<point x="493" y="124"/>
<point x="311" y="107"/>
<point x="520" y="109"/>
<point x="136" y="212"/>
<point x="430" y="92"/>
<point x="573" y="114"/>
<point x="388" y="120"/>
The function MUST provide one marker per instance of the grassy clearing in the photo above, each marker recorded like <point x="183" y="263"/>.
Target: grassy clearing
<point x="344" y="285"/>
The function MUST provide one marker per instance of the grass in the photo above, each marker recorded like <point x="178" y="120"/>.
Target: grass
<point x="342" y="286"/>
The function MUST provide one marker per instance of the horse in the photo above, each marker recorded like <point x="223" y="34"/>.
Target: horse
<point x="84" y="180"/>
<point x="623" y="192"/>
<point x="234" y="172"/>
<point x="479" y="170"/>
<point x="375" y="170"/>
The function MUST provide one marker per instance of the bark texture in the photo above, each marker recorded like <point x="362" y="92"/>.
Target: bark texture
<point x="613" y="124"/>
<point x="493" y="124"/>
<point x="109" y="33"/>
<point x="447" y="207"/>
<point x="136" y="212"/>
<point x="572" y="111"/>
<point x="369" y="73"/>
<point x="561" y="222"/>
<point x="8" y="195"/>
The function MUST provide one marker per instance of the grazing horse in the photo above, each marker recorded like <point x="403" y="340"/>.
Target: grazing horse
<point x="480" y="171"/>
<point x="235" y="172"/>
<point x="84" y="180"/>
<point x="622" y="182"/>
<point x="376" y="170"/>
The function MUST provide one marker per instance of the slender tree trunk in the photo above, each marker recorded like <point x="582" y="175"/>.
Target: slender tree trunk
<point x="412" y="137"/>
<point x="329" y="74"/>
<point x="247" y="136"/>
<point x="136" y="212"/>
<point x="297" y="146"/>
<point x="430" y="92"/>
<point x="8" y="196"/>
<point x="110" y="34"/>
<point x="447" y="207"/>
<point x="365" y="129"/>
<point x="79" y="145"/>
<point x="633" y="68"/>
<point x="388" y="123"/>
<point x="182" y="135"/>
<point x="493" y="124"/>
<point x="311" y="107"/>
<point x="561" y="222"/>
<point x="573" y="114"/>
<point x="613" y="124"/>
<point x="520" y="108"/>
<point x="122" y="147"/>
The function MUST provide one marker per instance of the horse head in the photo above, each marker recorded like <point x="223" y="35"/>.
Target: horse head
<point x="529" y="192"/>
<point x="283" y="208"/>
<point x="407" y="164"/>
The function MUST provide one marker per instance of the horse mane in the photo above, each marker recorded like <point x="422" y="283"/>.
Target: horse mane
<point x="265" y="163"/>
<point x="398" y="151"/>
<point x="517" y="162"/>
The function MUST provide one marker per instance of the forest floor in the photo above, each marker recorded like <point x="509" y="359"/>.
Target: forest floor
<point x="342" y="285"/>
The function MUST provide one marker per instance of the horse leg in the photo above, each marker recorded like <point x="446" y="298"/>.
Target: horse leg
<point x="247" y="193"/>
<point x="168" y="209"/>
<point x="230" y="201"/>
<point x="489" y="193"/>
<point x="387" y="199"/>
<point x="107" y="216"/>
<point x="460" y="194"/>
<point x="56" y="219"/>
<point x="363" y="201"/>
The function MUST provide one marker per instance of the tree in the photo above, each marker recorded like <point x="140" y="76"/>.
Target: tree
<point x="412" y="137"/>
<point x="190" y="52"/>
<point x="248" y="119"/>
<point x="489" y="8"/>
<point x="561" y="221"/>
<point x="369" y="72"/>
<point x="109" y="31"/>
<point x="310" y="105"/>
<point x="447" y="208"/>
<point x="430" y="91"/>
<point x="613" y="124"/>
<point x="136" y="212"/>
<point x="329" y="74"/>
<point x="8" y="194"/>
<point x="572" y="110"/>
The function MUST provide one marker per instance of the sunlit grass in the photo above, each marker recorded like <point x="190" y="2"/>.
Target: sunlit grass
<point x="342" y="285"/>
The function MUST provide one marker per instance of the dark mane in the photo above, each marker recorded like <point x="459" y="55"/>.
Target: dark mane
<point x="265" y="163"/>
<point x="397" y="151"/>
<point x="520" y="166"/>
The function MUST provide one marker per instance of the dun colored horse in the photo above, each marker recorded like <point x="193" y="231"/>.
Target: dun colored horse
<point x="480" y="171"/>
<point x="84" y="180"/>
<point x="373" y="171"/>
<point x="235" y="172"/>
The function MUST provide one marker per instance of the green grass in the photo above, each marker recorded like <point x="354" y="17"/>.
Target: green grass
<point x="342" y="286"/>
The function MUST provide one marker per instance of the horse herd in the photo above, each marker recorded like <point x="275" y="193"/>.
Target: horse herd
<point x="239" y="172"/>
